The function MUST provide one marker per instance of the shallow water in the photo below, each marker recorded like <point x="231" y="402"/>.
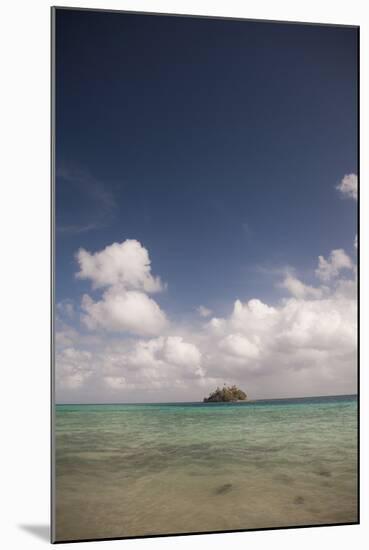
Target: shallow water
<point x="131" y="470"/>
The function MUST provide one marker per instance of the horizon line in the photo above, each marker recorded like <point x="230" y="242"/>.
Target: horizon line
<point x="220" y="402"/>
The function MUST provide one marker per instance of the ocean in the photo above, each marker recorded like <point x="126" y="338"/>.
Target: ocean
<point x="148" y="469"/>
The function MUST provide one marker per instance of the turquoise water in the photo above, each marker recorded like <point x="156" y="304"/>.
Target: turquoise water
<point x="131" y="470"/>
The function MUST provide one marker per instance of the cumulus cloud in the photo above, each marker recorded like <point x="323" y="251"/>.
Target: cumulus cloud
<point x="178" y="352"/>
<point x="298" y="289"/>
<point x="123" y="310"/>
<point x="117" y="383"/>
<point x="253" y="315"/>
<point x="239" y="346"/>
<point x="126" y="264"/>
<point x="303" y="344"/>
<point x="327" y="324"/>
<point x="204" y="311"/>
<point x="348" y="186"/>
<point x="65" y="335"/>
<point x="65" y="308"/>
<point x="124" y="270"/>
<point x="328" y="269"/>
<point x="127" y="366"/>
<point x="73" y="367"/>
<point x="164" y="358"/>
<point x="268" y="350"/>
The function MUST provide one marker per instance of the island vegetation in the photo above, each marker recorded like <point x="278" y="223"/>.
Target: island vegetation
<point x="226" y="394"/>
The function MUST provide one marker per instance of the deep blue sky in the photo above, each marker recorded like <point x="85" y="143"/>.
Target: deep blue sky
<point x="216" y="143"/>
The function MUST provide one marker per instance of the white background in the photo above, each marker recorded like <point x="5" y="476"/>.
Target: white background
<point x="25" y="286"/>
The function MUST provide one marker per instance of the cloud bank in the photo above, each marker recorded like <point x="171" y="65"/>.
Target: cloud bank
<point x="127" y="349"/>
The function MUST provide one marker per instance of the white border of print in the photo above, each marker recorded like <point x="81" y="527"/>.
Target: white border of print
<point x="25" y="245"/>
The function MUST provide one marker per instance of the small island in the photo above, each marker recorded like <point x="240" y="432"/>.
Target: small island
<point x="226" y="394"/>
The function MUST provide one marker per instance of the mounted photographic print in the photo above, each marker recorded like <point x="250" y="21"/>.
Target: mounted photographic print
<point x="205" y="359"/>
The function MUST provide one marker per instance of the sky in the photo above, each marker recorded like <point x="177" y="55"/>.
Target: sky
<point x="206" y="207"/>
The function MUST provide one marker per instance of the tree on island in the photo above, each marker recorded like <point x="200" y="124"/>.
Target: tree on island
<point x="226" y="394"/>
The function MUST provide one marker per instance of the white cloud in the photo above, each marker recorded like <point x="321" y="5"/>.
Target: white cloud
<point x="132" y="366"/>
<point x="126" y="264"/>
<point x="125" y="269"/>
<point x="299" y="289"/>
<point x="328" y="269"/>
<point x="73" y="367"/>
<point x="116" y="382"/>
<point x="304" y="344"/>
<point x="123" y="310"/>
<point x="252" y="316"/>
<point x="169" y="357"/>
<point x="327" y="324"/>
<point x="181" y="353"/>
<point x="66" y="308"/>
<point x="240" y="346"/>
<point x="204" y="311"/>
<point x="300" y="334"/>
<point x="348" y="186"/>
<point x="65" y="335"/>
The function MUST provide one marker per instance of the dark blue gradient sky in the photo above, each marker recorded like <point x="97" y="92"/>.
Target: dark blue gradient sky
<point x="215" y="143"/>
